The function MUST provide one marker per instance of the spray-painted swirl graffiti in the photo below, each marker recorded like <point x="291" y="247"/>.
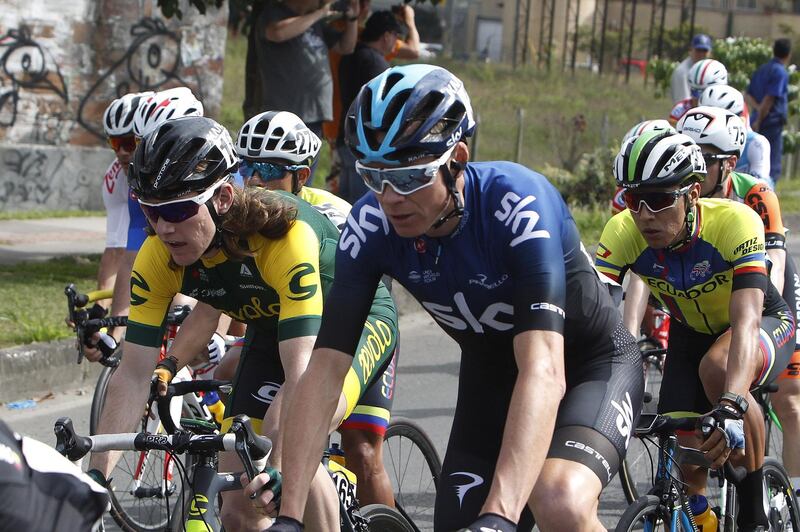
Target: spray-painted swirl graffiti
<point x="25" y="65"/>
<point x="152" y="59"/>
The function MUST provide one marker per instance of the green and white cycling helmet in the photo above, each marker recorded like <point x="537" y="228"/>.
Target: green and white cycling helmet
<point x="712" y="126"/>
<point x="705" y="73"/>
<point x="648" y="125"/>
<point x="658" y="159"/>
<point x="277" y="135"/>
<point x="724" y="97"/>
<point x="165" y="105"/>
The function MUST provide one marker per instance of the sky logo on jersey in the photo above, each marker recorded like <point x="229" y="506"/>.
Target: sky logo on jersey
<point x="462" y="318"/>
<point x="700" y="270"/>
<point x="462" y="489"/>
<point x="512" y="214"/>
<point x="625" y="417"/>
<point x="355" y="233"/>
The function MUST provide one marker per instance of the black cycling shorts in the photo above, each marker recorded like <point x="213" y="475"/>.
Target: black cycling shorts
<point x="593" y="427"/>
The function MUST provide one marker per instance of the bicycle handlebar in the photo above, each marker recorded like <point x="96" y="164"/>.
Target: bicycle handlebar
<point x="664" y="426"/>
<point x="241" y="436"/>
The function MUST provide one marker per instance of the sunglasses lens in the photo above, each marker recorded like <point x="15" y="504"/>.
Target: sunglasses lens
<point x="128" y="143"/>
<point x="404" y="181"/>
<point x="655" y="201"/>
<point x="246" y="169"/>
<point x="171" y="212"/>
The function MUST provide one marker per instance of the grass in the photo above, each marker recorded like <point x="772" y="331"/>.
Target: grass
<point x="32" y="301"/>
<point x="38" y="215"/>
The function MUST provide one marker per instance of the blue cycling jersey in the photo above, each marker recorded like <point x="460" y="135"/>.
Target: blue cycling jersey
<point x="136" y="226"/>
<point x="514" y="263"/>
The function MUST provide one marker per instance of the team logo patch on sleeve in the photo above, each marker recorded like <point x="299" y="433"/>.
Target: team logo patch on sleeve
<point x="137" y="281"/>
<point x="300" y="291"/>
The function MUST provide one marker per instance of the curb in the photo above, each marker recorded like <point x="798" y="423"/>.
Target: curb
<point x="30" y="370"/>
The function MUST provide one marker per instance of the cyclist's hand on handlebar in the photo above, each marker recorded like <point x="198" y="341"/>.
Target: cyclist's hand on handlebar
<point x="490" y="521"/>
<point x="723" y="431"/>
<point x="265" y="491"/>
<point x="164" y="373"/>
<point x="98" y="346"/>
<point x="286" y="524"/>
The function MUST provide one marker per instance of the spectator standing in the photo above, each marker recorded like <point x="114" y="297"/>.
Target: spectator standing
<point x="767" y="95"/>
<point x="378" y="39"/>
<point x="679" y="84"/>
<point x="292" y="51"/>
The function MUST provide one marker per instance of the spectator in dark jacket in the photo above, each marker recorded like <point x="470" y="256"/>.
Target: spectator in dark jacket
<point x="767" y="96"/>
<point x="355" y="70"/>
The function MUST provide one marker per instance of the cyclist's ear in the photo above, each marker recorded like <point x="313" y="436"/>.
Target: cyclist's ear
<point x="694" y="194"/>
<point x="303" y="175"/>
<point x="223" y="199"/>
<point x="460" y="157"/>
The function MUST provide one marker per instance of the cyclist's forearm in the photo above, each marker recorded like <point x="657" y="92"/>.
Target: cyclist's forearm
<point x="636" y="297"/>
<point x="129" y="385"/>
<point x="530" y="420"/>
<point x="121" y="303"/>
<point x="311" y="409"/>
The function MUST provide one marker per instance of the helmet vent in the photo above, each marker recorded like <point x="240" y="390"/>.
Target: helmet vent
<point x="394" y="108"/>
<point x="391" y="81"/>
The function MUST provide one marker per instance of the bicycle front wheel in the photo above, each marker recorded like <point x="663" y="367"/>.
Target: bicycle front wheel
<point x="784" y="514"/>
<point x="414" y="467"/>
<point x="384" y="519"/>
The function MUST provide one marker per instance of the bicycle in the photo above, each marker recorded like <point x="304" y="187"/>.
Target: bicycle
<point x="414" y="467"/>
<point x="197" y="509"/>
<point x="666" y="505"/>
<point x="141" y="478"/>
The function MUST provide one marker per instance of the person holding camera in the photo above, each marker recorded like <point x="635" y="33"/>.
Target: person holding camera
<point x="292" y="51"/>
<point x="378" y="39"/>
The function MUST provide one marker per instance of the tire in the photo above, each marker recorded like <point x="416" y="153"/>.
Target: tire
<point x="645" y="511"/>
<point x="146" y="510"/>
<point x="384" y="519"/>
<point x="636" y="471"/>
<point x="774" y="437"/>
<point x="784" y="512"/>
<point x="414" y="468"/>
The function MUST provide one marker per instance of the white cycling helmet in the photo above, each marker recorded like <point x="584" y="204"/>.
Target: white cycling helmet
<point x="724" y="97"/>
<point x="705" y="73"/>
<point x="648" y="125"/>
<point x="165" y="105"/>
<point x="118" y="117"/>
<point x="713" y="126"/>
<point x="277" y="135"/>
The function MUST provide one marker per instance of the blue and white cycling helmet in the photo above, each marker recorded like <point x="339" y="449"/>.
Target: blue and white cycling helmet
<point x="407" y="113"/>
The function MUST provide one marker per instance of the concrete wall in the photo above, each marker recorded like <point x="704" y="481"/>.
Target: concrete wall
<point x="61" y="63"/>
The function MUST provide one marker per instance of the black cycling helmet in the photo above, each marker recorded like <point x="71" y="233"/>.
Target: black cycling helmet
<point x="658" y="159"/>
<point x="181" y="156"/>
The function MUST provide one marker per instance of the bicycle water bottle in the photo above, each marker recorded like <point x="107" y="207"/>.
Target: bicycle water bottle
<point x="215" y="405"/>
<point x="704" y="517"/>
<point x="337" y="454"/>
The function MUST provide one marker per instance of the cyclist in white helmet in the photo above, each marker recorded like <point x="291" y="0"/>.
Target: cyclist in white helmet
<point x="720" y="135"/>
<point x="276" y="150"/>
<point x="703" y="74"/>
<point x="165" y="105"/>
<point x="755" y="157"/>
<point x="118" y="126"/>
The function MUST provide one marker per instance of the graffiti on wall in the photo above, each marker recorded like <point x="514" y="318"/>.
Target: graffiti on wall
<point x="152" y="60"/>
<point x="46" y="178"/>
<point x="25" y="66"/>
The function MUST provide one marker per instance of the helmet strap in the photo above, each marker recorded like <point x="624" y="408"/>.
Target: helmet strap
<point x="450" y="183"/>
<point x="217" y="241"/>
<point x="295" y="183"/>
<point x="689" y="222"/>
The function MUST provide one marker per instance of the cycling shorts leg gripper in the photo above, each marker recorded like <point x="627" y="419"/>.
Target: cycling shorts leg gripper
<point x="791" y="294"/>
<point x="258" y="378"/>
<point x="588" y="447"/>
<point x="373" y="354"/>
<point x="776" y="345"/>
<point x="373" y="410"/>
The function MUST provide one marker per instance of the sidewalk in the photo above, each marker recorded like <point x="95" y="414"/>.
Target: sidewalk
<point x="35" y="240"/>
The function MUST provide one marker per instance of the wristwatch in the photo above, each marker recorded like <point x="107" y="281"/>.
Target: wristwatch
<point x="737" y="400"/>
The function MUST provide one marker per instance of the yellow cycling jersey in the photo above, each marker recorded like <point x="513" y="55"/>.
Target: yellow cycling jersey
<point x="281" y="286"/>
<point x="694" y="282"/>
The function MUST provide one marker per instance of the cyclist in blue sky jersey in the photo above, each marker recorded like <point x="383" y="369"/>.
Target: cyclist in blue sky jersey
<point x="550" y="384"/>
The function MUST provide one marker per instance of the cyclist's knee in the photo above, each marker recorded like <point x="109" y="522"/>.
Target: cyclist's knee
<point x="238" y="515"/>
<point x="571" y="482"/>
<point x="363" y="451"/>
